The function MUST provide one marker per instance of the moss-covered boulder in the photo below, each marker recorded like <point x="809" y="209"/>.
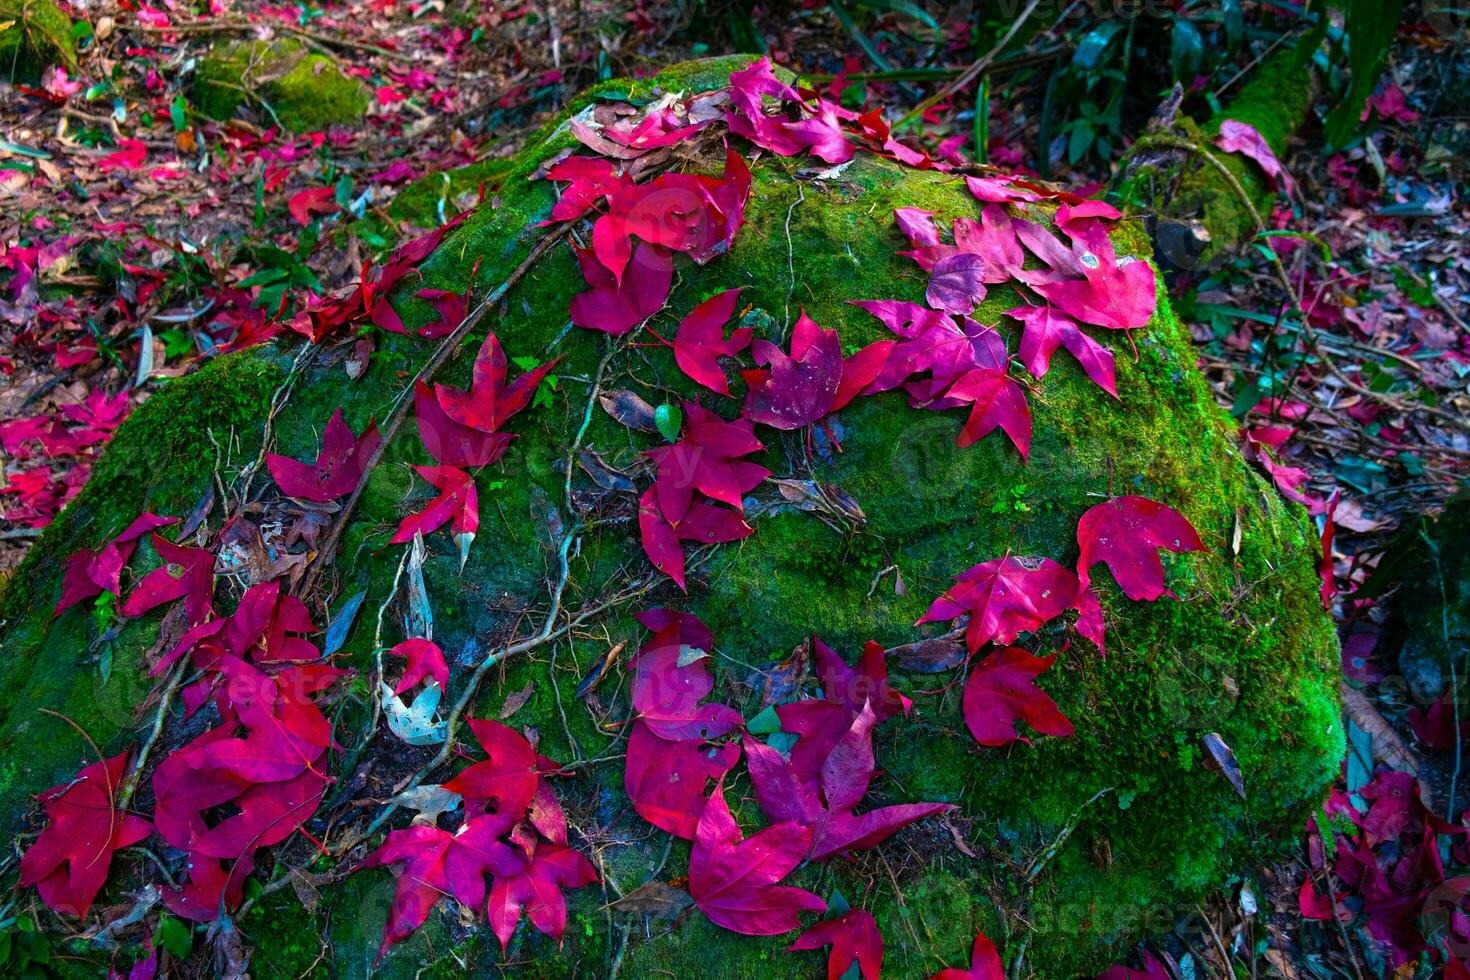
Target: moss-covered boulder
<point x="1063" y="851"/>
<point x="303" y="90"/>
<point x="33" y="35"/>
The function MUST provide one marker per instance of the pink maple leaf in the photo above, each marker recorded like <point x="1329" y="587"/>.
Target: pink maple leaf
<point x="1001" y="692"/>
<point x="701" y="342"/>
<point x="734" y="880"/>
<point x="1005" y="597"/>
<point x="425" y="660"/>
<point x="337" y="469"/>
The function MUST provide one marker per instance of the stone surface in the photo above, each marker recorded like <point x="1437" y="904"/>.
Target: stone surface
<point x="1246" y="652"/>
<point x="304" y="90"/>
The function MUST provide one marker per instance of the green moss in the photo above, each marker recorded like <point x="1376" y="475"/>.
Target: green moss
<point x="1245" y="652"/>
<point x="161" y="460"/>
<point x="421" y="202"/>
<point x="302" y="90"/>
<point x="33" y="35"/>
<point x="1275" y="101"/>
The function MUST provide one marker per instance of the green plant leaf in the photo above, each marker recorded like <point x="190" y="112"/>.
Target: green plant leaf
<point x="669" y="419"/>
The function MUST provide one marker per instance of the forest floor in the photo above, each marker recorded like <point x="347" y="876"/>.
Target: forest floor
<point x="137" y="236"/>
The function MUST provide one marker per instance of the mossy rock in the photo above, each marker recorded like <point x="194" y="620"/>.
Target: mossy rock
<point x="1275" y="101"/>
<point x="303" y="90"/>
<point x="1133" y="823"/>
<point x="33" y="35"/>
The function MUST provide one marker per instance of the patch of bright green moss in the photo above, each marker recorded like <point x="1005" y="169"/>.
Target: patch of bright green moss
<point x="302" y="90"/>
<point x="33" y="35"/>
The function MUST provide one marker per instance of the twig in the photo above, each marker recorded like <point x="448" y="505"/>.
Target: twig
<point x="225" y="25"/>
<point x="130" y="786"/>
<point x="299" y="363"/>
<point x="446" y="349"/>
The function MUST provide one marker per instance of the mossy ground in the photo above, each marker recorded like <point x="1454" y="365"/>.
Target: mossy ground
<point x="303" y="90"/>
<point x="33" y="35"/>
<point x="1245" y="652"/>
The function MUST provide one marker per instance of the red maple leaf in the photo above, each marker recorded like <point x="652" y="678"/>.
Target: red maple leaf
<point x="957" y="284"/>
<point x="733" y="880"/>
<point x="337" y="468"/>
<point x="505" y="783"/>
<point x="259" y="629"/>
<point x="854" y="938"/>
<point x="705" y="523"/>
<point x="1002" y="691"/>
<point x="617" y="306"/>
<point x="1257" y="444"/>
<point x="992" y="239"/>
<point x="671" y="677"/>
<point x="823" y="799"/>
<point x="589" y="180"/>
<point x="1087" y="281"/>
<point x="209" y="888"/>
<point x="867" y="683"/>
<point x="425" y="660"/>
<point x="538" y="889"/>
<point x="131" y="154"/>
<point x="1153" y="969"/>
<point x="996" y="402"/>
<point x="186" y="573"/>
<point x="1005" y="597"/>
<point x="490" y="402"/>
<point x="437" y="863"/>
<point x="665" y="780"/>
<point x="450" y="308"/>
<point x="69" y="860"/>
<point x="810" y="382"/>
<point x="458" y="500"/>
<point x="450" y="443"/>
<point x="91" y="572"/>
<point x="1126" y="534"/>
<point x="1046" y="329"/>
<point x="701" y="342"/>
<point x="934" y="344"/>
<point x="984" y="963"/>
<point x="694" y="214"/>
<point x="706" y="459"/>
<point x="305" y="205"/>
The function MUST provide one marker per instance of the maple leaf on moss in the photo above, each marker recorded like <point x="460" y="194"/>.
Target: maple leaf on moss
<point x="91" y="572"/>
<point x="537" y="889"/>
<point x="70" y="858"/>
<point x="186" y="573"/>
<point x="706" y="459"/>
<point x="854" y="938"/>
<point x="1001" y="692"/>
<point x="733" y="879"/>
<point x="437" y="863"/>
<point x="490" y="402"/>
<point x="337" y="468"/>
<point x="812" y="380"/>
<point x="984" y="963"/>
<point x="1005" y="597"/>
<point x="701" y="341"/>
